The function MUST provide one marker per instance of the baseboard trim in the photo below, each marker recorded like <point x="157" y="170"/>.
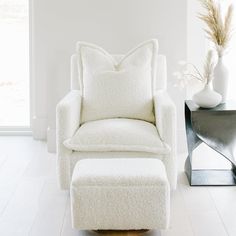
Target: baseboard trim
<point x="15" y="133"/>
<point x="39" y="128"/>
<point x="51" y="140"/>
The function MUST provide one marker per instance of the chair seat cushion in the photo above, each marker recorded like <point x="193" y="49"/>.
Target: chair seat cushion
<point x="117" y="135"/>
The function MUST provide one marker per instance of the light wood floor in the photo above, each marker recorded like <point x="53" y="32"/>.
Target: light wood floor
<point x="31" y="203"/>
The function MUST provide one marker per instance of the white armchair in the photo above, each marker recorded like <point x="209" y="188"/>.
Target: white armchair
<point x="135" y="143"/>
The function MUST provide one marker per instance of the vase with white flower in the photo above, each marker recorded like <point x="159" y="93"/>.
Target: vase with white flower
<point x="219" y="33"/>
<point x="207" y="97"/>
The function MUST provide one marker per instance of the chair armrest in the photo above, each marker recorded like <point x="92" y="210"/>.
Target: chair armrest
<point x="165" y="114"/>
<point x="67" y="122"/>
<point x="67" y="118"/>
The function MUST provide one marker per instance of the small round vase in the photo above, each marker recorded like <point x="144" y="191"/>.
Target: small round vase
<point x="207" y="97"/>
<point x="221" y="79"/>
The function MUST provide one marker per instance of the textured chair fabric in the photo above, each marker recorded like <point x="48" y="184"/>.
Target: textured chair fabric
<point x="120" y="194"/>
<point x="117" y="135"/>
<point x="117" y="88"/>
<point x="68" y="122"/>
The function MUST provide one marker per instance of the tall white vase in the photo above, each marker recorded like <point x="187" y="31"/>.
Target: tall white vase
<point x="221" y="79"/>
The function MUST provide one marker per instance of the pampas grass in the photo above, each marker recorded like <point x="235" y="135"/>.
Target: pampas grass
<point x="218" y="28"/>
<point x="185" y="77"/>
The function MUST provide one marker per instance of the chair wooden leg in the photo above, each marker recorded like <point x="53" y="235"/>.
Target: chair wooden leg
<point x="121" y="232"/>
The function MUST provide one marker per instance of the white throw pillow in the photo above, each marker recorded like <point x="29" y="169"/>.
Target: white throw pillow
<point x="117" y="89"/>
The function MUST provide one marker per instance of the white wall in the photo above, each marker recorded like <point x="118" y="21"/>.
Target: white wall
<point x="116" y="25"/>
<point x="196" y="41"/>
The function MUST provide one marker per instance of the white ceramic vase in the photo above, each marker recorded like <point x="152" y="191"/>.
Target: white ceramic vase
<point x="207" y="97"/>
<point x="221" y="78"/>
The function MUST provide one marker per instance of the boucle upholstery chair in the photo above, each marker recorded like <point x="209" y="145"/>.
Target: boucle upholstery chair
<point x="87" y="126"/>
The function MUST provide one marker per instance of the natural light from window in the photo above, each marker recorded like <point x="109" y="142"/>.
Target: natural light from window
<point x="230" y="57"/>
<point x="14" y="63"/>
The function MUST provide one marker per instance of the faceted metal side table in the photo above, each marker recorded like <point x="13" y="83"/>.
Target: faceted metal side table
<point x="217" y="128"/>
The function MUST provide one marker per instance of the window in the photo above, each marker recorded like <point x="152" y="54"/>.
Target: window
<point x="14" y="64"/>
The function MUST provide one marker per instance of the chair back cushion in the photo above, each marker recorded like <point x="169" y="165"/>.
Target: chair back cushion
<point x="117" y="88"/>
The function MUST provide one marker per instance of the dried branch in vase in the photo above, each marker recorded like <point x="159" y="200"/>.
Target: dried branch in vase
<point x="185" y="77"/>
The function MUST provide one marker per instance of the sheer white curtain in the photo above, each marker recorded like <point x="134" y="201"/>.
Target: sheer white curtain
<point x="230" y="57"/>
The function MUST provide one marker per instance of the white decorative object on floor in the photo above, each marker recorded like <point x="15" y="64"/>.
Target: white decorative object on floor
<point x="207" y="97"/>
<point x="120" y="194"/>
<point x="86" y="128"/>
<point x="221" y="78"/>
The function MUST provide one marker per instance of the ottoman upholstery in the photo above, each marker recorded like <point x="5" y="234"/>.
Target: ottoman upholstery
<point x="120" y="194"/>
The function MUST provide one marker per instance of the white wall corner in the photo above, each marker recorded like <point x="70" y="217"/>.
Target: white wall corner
<point x="39" y="128"/>
<point x="51" y="140"/>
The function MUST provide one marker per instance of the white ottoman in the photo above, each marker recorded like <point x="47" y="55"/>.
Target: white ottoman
<point x="120" y="194"/>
